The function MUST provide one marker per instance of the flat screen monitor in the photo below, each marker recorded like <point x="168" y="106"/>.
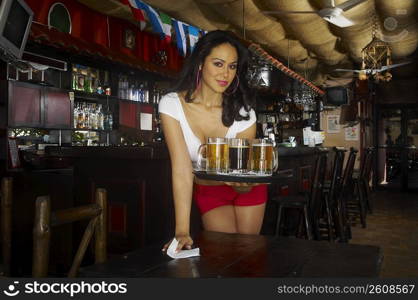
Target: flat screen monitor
<point x="15" y="22"/>
<point x="336" y="96"/>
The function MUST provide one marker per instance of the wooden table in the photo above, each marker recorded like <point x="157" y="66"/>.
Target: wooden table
<point x="238" y="255"/>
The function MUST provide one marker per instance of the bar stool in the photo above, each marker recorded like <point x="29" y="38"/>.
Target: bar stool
<point x="6" y="196"/>
<point x="45" y="220"/>
<point x="302" y="202"/>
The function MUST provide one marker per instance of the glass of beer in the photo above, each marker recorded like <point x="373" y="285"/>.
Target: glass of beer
<point x="239" y="155"/>
<point x="217" y="156"/>
<point x="263" y="157"/>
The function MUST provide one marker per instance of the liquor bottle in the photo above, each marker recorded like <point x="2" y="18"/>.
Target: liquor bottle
<point x="86" y="117"/>
<point x="100" y="119"/>
<point x="80" y="78"/>
<point x="74" y="78"/>
<point x="120" y="87"/>
<point x="141" y="93"/>
<point x="75" y="115"/>
<point x="154" y="95"/>
<point x="87" y="81"/>
<point x="80" y="119"/>
<point x="110" y="120"/>
<point x="105" y="122"/>
<point x="136" y="92"/>
<point x="94" y="80"/>
<point x="130" y="93"/>
<point x="106" y="84"/>
<point x="93" y="117"/>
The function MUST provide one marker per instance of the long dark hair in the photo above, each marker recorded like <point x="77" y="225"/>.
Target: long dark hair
<point x="233" y="99"/>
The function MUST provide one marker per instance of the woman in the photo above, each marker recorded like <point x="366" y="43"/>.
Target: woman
<point x="211" y="99"/>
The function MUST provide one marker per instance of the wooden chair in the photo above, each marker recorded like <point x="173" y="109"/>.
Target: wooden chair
<point x="45" y="220"/>
<point x="347" y="190"/>
<point x="302" y="202"/>
<point x="6" y="225"/>
<point x="333" y="211"/>
<point x="365" y="178"/>
<point x="316" y="204"/>
<point x="360" y="203"/>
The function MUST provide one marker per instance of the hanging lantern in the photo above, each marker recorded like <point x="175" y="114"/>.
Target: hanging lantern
<point x="376" y="55"/>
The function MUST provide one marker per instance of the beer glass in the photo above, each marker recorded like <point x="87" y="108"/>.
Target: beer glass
<point x="239" y="155"/>
<point x="217" y="161"/>
<point x="263" y="157"/>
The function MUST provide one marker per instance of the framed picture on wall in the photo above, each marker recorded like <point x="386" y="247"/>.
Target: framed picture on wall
<point x="129" y="39"/>
<point x="352" y="133"/>
<point x="333" y="124"/>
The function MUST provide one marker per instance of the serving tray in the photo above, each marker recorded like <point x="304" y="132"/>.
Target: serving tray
<point x="249" y="178"/>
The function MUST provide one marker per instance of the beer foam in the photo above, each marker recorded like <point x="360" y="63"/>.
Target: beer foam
<point x="263" y="145"/>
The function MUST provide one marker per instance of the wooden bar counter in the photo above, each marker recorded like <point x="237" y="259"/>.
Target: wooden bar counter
<point x="138" y="182"/>
<point x="226" y="255"/>
<point x="140" y="205"/>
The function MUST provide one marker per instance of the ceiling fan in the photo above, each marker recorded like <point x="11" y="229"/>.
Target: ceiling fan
<point x="374" y="71"/>
<point x="332" y="14"/>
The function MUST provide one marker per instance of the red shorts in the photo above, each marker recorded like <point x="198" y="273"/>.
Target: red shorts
<point x="208" y="197"/>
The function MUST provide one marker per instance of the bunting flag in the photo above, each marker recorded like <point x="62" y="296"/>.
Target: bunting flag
<point x="137" y="13"/>
<point x="193" y="36"/>
<point x="166" y="20"/>
<point x="180" y="36"/>
<point x="152" y="14"/>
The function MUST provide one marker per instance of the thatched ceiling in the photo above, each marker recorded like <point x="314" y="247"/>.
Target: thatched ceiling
<point x="312" y="46"/>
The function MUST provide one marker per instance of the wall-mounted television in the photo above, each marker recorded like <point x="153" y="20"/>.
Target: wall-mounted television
<point x="15" y="22"/>
<point x="337" y="96"/>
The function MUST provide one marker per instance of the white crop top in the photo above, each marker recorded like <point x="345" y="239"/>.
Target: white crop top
<point x="170" y="105"/>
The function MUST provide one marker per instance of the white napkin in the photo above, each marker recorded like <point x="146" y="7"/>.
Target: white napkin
<point x="182" y="253"/>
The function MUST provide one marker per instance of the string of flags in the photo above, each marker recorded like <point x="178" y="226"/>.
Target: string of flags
<point x="162" y="24"/>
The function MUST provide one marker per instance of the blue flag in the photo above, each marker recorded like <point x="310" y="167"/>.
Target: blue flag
<point x="153" y="16"/>
<point x="180" y="27"/>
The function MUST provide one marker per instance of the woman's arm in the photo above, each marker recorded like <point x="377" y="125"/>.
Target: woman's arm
<point x="182" y="178"/>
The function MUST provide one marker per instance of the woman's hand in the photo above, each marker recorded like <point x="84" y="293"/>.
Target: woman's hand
<point x="241" y="187"/>
<point x="184" y="241"/>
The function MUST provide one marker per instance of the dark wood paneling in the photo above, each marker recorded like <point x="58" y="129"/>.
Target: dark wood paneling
<point x="142" y="185"/>
<point x="35" y="106"/>
<point x="58" y="109"/>
<point x="126" y="200"/>
<point x="25" y="105"/>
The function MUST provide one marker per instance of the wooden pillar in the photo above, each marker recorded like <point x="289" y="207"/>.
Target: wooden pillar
<point x="41" y="237"/>
<point x="101" y="228"/>
<point x="6" y="223"/>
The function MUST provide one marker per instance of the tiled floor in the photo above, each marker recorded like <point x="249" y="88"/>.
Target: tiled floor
<point x="394" y="227"/>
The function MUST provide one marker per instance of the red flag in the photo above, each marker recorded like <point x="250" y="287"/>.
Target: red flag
<point x="137" y="13"/>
